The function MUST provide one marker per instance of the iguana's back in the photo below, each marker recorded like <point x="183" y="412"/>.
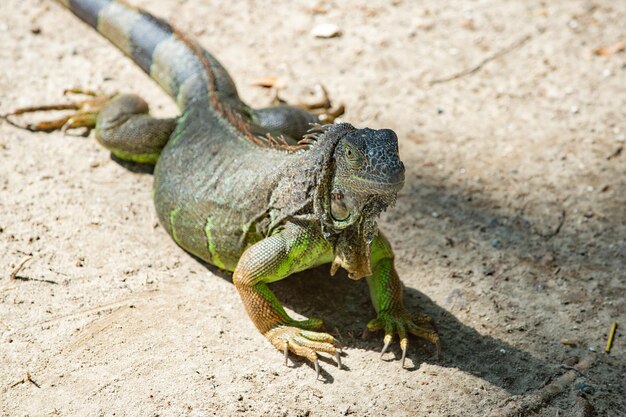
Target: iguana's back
<point x="211" y="180"/>
<point x="213" y="188"/>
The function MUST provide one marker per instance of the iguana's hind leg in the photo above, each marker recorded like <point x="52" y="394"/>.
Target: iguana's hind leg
<point x="125" y="128"/>
<point x="289" y="121"/>
<point x="122" y="124"/>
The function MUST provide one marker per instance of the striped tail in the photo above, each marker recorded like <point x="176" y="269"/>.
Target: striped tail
<point x="181" y="67"/>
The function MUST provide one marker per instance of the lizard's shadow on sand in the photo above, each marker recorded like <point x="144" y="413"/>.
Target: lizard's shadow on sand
<point x="345" y="307"/>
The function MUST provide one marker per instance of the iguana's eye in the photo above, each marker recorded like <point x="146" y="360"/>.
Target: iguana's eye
<point x="353" y="157"/>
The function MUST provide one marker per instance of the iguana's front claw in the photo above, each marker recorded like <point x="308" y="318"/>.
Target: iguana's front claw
<point x="304" y="343"/>
<point x="84" y="115"/>
<point x="401" y="322"/>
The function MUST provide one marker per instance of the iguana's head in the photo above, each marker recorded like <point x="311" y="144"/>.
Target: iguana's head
<point x="368" y="175"/>
<point x="361" y="174"/>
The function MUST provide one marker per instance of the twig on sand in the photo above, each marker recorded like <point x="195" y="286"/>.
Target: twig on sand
<point x="26" y="379"/>
<point x="609" y="342"/>
<point x="19" y="267"/>
<point x="484" y="62"/>
<point x="617" y="152"/>
<point x="519" y="406"/>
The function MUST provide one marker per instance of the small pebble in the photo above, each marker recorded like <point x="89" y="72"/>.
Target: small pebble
<point x="571" y="361"/>
<point x="326" y="31"/>
<point x="547" y="259"/>
<point x="266" y="82"/>
<point x="569" y="341"/>
<point x="584" y="388"/>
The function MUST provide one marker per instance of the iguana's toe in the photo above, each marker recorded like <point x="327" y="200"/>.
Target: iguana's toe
<point x="305" y="343"/>
<point x="431" y="335"/>
<point x="387" y="341"/>
<point x="421" y="318"/>
<point x="402" y="323"/>
<point x="84" y="115"/>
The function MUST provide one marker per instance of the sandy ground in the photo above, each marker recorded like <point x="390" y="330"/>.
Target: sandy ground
<point x="510" y="230"/>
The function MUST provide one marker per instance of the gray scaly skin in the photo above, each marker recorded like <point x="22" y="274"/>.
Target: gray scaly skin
<point x="245" y="202"/>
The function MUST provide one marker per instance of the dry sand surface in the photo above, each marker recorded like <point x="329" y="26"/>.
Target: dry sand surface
<point x="510" y="230"/>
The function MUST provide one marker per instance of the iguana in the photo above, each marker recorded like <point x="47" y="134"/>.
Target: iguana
<point x="229" y="190"/>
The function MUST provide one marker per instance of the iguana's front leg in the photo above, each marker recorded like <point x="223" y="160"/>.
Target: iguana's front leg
<point x="293" y="249"/>
<point x="386" y="293"/>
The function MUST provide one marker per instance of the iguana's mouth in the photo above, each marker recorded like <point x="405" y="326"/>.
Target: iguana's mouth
<point x="377" y="186"/>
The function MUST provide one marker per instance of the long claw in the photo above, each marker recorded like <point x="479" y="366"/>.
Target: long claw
<point x="45" y="107"/>
<point x="338" y="345"/>
<point x="67" y="125"/>
<point x="286" y="349"/>
<point x="404" y="343"/>
<point x="338" y="359"/>
<point x="316" y="362"/>
<point x="386" y="346"/>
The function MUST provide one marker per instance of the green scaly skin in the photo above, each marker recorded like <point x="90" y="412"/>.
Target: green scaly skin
<point x="260" y="209"/>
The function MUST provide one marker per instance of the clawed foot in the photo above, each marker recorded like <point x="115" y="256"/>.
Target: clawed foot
<point x="401" y="323"/>
<point x="84" y="116"/>
<point x="305" y="343"/>
<point x="320" y="105"/>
